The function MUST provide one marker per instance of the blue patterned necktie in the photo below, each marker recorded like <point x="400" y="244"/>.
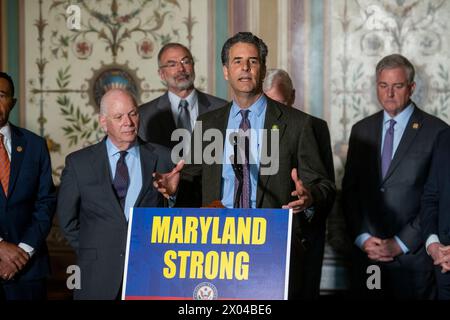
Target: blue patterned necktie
<point x="121" y="178"/>
<point x="245" y="196"/>
<point x="184" y="118"/>
<point x="388" y="146"/>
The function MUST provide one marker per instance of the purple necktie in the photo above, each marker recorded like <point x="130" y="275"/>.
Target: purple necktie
<point x="386" y="155"/>
<point x="245" y="196"/>
<point x="121" y="178"/>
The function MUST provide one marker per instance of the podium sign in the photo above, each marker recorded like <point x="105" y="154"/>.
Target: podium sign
<point x="207" y="253"/>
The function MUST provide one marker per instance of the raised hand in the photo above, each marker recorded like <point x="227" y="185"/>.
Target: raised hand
<point x="305" y="199"/>
<point x="167" y="183"/>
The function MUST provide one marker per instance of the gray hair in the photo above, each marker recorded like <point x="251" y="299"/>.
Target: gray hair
<point x="104" y="105"/>
<point x="277" y="76"/>
<point x="172" y="45"/>
<point x="396" y="61"/>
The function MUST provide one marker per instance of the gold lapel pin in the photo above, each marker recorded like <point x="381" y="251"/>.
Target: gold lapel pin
<point x="415" y="125"/>
<point x="19" y="149"/>
<point x="275" y="127"/>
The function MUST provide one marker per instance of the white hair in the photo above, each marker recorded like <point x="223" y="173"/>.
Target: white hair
<point x="277" y="76"/>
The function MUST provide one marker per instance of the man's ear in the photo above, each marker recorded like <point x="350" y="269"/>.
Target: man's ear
<point x="263" y="72"/>
<point x="225" y="72"/>
<point x="412" y="87"/>
<point x="293" y="97"/>
<point x="161" y="74"/>
<point x="14" y="101"/>
<point x="102" y="121"/>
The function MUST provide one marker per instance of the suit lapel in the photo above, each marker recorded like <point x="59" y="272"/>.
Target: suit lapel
<point x="18" y="149"/>
<point x="377" y="129"/>
<point x="405" y="142"/>
<point x="100" y="165"/>
<point x="203" y="103"/>
<point x="272" y="122"/>
<point x="166" y="113"/>
<point x="148" y="163"/>
<point x="220" y="122"/>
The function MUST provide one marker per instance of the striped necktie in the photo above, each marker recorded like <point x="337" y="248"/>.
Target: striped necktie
<point x="4" y="166"/>
<point x="246" y="187"/>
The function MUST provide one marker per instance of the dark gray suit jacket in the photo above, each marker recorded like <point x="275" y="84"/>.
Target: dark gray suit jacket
<point x="390" y="207"/>
<point x="156" y="119"/>
<point x="297" y="149"/>
<point x="313" y="233"/>
<point x="92" y="219"/>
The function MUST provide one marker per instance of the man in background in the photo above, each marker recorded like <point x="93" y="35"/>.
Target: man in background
<point x="99" y="185"/>
<point x="387" y="165"/>
<point x="180" y="106"/>
<point x="27" y="205"/>
<point x="278" y="86"/>
<point x="435" y="214"/>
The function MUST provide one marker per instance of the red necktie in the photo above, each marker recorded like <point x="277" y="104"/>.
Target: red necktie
<point x="4" y="166"/>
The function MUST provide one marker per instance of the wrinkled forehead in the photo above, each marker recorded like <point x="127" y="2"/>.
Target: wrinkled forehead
<point x="175" y="53"/>
<point x="119" y="102"/>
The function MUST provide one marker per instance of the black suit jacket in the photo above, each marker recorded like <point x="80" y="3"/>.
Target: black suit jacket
<point x="92" y="219"/>
<point x="26" y="214"/>
<point x="297" y="149"/>
<point x="435" y="217"/>
<point x="390" y="207"/>
<point x="156" y="119"/>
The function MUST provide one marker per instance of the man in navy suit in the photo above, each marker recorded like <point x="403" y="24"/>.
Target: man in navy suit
<point x="27" y="205"/>
<point x="435" y="215"/>
<point x="387" y="165"/>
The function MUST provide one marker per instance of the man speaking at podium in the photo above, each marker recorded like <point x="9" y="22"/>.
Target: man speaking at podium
<point x="300" y="181"/>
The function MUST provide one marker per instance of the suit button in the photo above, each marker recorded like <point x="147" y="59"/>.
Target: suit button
<point x="122" y="254"/>
<point x="381" y="189"/>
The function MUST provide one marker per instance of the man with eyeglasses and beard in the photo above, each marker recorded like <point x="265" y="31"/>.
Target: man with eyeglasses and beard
<point x="180" y="106"/>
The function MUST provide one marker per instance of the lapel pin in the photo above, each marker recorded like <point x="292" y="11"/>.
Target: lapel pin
<point x="19" y="149"/>
<point x="415" y="125"/>
<point x="275" y="127"/>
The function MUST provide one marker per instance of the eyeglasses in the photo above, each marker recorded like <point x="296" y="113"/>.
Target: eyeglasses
<point x="172" y="64"/>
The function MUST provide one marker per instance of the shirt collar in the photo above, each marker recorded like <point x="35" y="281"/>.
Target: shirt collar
<point x="256" y="108"/>
<point x="402" y="118"/>
<point x="191" y="99"/>
<point x="6" y="131"/>
<point x="113" y="150"/>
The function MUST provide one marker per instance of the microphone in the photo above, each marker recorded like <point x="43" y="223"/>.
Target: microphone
<point x="239" y="174"/>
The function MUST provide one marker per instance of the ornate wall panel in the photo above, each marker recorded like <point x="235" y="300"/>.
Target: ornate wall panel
<point x="361" y="33"/>
<point x="67" y="70"/>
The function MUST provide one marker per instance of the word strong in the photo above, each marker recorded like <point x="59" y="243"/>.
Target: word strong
<point x="208" y="230"/>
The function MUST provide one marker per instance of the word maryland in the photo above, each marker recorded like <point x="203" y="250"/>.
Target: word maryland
<point x="208" y="232"/>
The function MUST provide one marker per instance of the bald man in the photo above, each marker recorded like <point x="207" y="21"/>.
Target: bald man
<point x="278" y="86"/>
<point x="99" y="185"/>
